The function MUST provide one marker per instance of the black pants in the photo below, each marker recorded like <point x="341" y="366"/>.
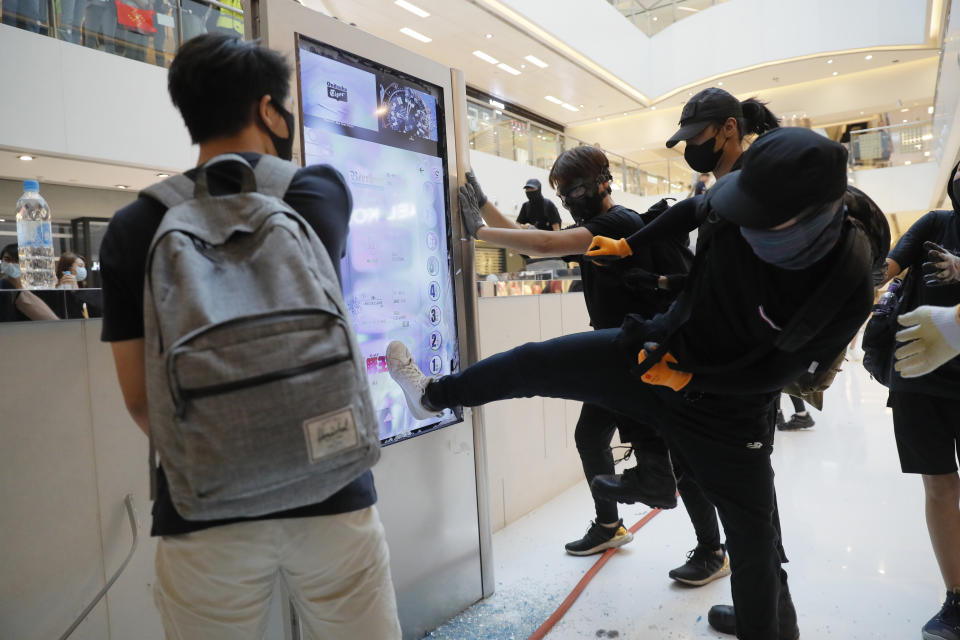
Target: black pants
<point x="725" y="443"/>
<point x="798" y="405"/>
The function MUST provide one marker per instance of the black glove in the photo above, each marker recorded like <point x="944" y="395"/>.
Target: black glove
<point x="941" y="268"/>
<point x="472" y="181"/>
<point x="470" y="210"/>
<point x="637" y="279"/>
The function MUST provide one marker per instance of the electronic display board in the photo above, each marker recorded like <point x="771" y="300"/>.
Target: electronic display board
<point x="383" y="130"/>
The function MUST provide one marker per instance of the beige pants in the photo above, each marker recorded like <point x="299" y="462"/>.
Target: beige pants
<point x="217" y="584"/>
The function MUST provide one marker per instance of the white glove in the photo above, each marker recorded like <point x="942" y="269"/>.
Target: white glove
<point x="932" y="339"/>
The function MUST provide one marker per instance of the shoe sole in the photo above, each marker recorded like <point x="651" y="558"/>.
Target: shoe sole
<point x="397" y="352"/>
<point x="655" y="504"/>
<point x="613" y="543"/>
<point x="722" y="572"/>
<point x="926" y="635"/>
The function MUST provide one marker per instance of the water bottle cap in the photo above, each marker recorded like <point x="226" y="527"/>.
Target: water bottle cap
<point x="31" y="185"/>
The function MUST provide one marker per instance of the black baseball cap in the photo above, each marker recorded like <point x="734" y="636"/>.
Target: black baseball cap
<point x="784" y="172"/>
<point x="532" y="183"/>
<point x="710" y="105"/>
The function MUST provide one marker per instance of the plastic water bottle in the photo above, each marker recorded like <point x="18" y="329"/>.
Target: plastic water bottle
<point x="887" y="303"/>
<point x="35" y="239"/>
<point x="67" y="285"/>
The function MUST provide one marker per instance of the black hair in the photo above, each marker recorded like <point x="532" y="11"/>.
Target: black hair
<point x="217" y="81"/>
<point x="583" y="161"/>
<point x="11" y="250"/>
<point x="756" y="118"/>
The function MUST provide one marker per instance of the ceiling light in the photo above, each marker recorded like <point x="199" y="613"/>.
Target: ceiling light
<point x="553" y="100"/>
<point x="834" y="73"/>
<point x="653" y="108"/>
<point x="689" y="93"/>
<point x="581" y="106"/>
<point x="861" y="113"/>
<point x="497" y="104"/>
<point x="869" y="56"/>
<point x="537" y="61"/>
<point x="485" y="57"/>
<point x="412" y="8"/>
<point x="25" y="158"/>
<point x="523" y="66"/>
<point x="930" y="110"/>
<point x="509" y="69"/>
<point x="2" y="220"/>
<point x="599" y="118"/>
<point x="624" y="113"/>
<point x="569" y="107"/>
<point x="905" y="109"/>
<point x="926" y="154"/>
<point x="906" y="162"/>
<point x="489" y="35"/>
<point x="688" y="9"/>
<point x="415" y="35"/>
<point x="163" y="175"/>
<point x="121" y="186"/>
<point x="904" y="119"/>
<point x="830" y="61"/>
<point x="654" y="18"/>
<point x="720" y="84"/>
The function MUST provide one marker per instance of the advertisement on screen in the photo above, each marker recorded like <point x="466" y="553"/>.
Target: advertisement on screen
<point x="380" y="129"/>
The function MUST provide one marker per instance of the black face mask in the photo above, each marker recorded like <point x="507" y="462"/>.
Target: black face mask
<point x="581" y="203"/>
<point x="702" y="157"/>
<point x="284" y="146"/>
<point x="534" y="196"/>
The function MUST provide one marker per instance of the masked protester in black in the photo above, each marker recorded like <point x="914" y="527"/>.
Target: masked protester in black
<point x="538" y="212"/>
<point x="582" y="178"/>
<point x="711" y="409"/>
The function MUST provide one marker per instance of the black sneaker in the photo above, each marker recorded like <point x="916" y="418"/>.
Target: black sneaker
<point x="797" y="421"/>
<point x="650" y="482"/>
<point x="946" y="624"/>
<point x="723" y="617"/>
<point x="599" y="538"/>
<point x="703" y="566"/>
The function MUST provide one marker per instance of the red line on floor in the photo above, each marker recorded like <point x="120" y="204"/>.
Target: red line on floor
<point x="555" y="617"/>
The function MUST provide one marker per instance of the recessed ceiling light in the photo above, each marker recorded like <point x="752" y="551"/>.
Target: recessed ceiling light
<point x="497" y="104"/>
<point x="926" y="154"/>
<point x="163" y="175"/>
<point x="869" y="56"/>
<point x="904" y="119"/>
<point x="523" y="66"/>
<point x="489" y="35"/>
<point x="537" y="61"/>
<point x="599" y="118"/>
<point x="930" y="110"/>
<point x="581" y="106"/>
<point x="906" y="162"/>
<point x="689" y="93"/>
<point x="121" y="186"/>
<point x="509" y="69"/>
<point x="720" y="84"/>
<point x="412" y="8"/>
<point x="688" y="9"/>
<point x="553" y="100"/>
<point x="654" y="18"/>
<point x="653" y="108"/>
<point x="416" y="35"/>
<point x="569" y="107"/>
<point x="25" y="158"/>
<point x="485" y="57"/>
<point x="830" y="61"/>
<point x="834" y="73"/>
<point x="861" y="113"/>
<point x="624" y="113"/>
<point x="905" y="109"/>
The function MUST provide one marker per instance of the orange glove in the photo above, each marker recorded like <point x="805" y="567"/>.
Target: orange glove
<point x="663" y="374"/>
<point x="605" y="250"/>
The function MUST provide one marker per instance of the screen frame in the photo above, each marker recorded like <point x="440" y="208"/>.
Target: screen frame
<point x="445" y="148"/>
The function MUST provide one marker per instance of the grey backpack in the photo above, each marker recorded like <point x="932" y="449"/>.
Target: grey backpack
<point x="257" y="394"/>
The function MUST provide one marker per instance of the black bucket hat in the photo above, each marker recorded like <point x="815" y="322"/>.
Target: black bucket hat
<point x="784" y="172"/>
<point x="710" y="105"/>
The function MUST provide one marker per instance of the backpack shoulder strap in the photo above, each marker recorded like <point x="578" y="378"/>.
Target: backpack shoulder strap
<point x="274" y="175"/>
<point x="172" y="191"/>
<point x="821" y="307"/>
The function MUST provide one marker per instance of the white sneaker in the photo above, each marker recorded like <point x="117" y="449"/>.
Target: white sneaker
<point x="407" y="374"/>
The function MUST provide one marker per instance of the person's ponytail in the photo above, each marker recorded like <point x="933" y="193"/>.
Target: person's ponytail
<point x="756" y="117"/>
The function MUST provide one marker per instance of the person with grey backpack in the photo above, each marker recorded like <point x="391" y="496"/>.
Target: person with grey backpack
<point x="236" y="357"/>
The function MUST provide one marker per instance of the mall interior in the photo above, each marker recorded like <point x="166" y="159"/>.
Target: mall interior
<point x="478" y="504"/>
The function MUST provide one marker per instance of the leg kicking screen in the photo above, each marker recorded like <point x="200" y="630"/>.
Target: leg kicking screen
<point x="380" y="129"/>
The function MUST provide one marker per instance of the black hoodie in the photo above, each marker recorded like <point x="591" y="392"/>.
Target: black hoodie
<point x="942" y="227"/>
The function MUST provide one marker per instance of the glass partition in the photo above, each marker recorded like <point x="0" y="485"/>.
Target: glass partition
<point x="896" y="145"/>
<point x="144" y="30"/>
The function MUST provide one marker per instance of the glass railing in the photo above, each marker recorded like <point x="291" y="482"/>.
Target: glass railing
<point x="145" y="30"/>
<point x="509" y="136"/>
<point x="895" y="145"/>
<point x="652" y="16"/>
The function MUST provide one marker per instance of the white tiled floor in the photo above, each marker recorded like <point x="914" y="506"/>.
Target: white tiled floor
<point x="861" y="563"/>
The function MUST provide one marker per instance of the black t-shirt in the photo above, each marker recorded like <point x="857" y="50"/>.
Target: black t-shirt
<point x="607" y="298"/>
<point x="700" y="188"/>
<point x="942" y="227"/>
<point x="319" y="194"/>
<point x="542" y="214"/>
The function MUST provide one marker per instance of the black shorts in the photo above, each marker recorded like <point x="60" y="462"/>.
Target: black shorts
<point x="928" y="432"/>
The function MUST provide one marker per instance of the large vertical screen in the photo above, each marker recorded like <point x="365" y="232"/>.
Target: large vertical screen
<point x="383" y="130"/>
